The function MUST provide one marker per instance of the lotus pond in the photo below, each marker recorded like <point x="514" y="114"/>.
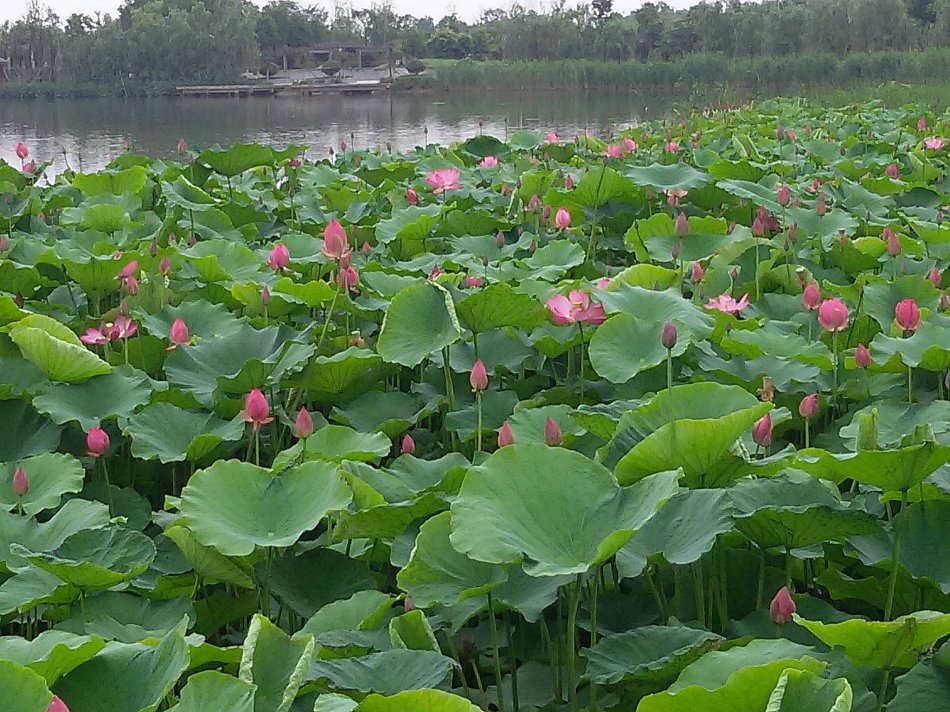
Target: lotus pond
<point x="658" y="423"/>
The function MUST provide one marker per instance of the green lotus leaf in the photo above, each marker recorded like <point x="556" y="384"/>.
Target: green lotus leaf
<point x="897" y="418"/>
<point x="332" y="702"/>
<point x="411" y="631"/>
<point x="170" y="434"/>
<point x="203" y="319"/>
<point x="601" y="184"/>
<point x="388" y="672"/>
<point x="920" y="525"/>
<point x="889" y="470"/>
<point x="693" y="324"/>
<point x="679" y="176"/>
<point x="238" y="158"/>
<point x="208" y="564"/>
<point x="551" y="262"/>
<point x="420" y="320"/>
<point x="31" y="588"/>
<point x="337" y="443"/>
<point x="75" y="516"/>
<point x="756" y="192"/>
<point x="50" y="475"/>
<point x="715" y="668"/>
<point x="364" y="610"/>
<point x="95" y="559"/>
<point x="317" y="577"/>
<point x="101" y="217"/>
<point x="218" y="258"/>
<point x="926" y="687"/>
<point x="928" y="348"/>
<point x="610" y="352"/>
<point x="61" y="360"/>
<point x="186" y="195"/>
<point x="521" y="503"/>
<point x="101" y="398"/>
<point x="389" y="412"/>
<point x="236" y="506"/>
<point x="52" y="654"/>
<point x="275" y="663"/>
<point x="408" y="229"/>
<point x="880" y="297"/>
<point x="437" y="573"/>
<point x="23" y="689"/>
<point x="126" y="677"/>
<point x="803" y="690"/>
<point x="387" y="520"/>
<point x="327" y="377"/>
<point x="499" y="305"/>
<point x="415" y="700"/>
<point x="215" y="690"/>
<point x="130" y="618"/>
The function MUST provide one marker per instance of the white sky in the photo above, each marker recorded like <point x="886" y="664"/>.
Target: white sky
<point x="466" y="9"/>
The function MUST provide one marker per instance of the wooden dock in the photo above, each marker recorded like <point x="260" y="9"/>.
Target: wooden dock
<point x="307" y="89"/>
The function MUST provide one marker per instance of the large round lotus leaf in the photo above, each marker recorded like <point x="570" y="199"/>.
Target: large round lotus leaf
<point x="610" y="352"/>
<point x="920" y="525"/>
<point x="416" y="700"/>
<point x="714" y="668"/>
<point x="888" y="470"/>
<point x="778" y="343"/>
<point x="185" y="194"/>
<point x="521" y="503"/>
<point x="333" y="702"/>
<point x="882" y="644"/>
<point x="23" y="689"/>
<point x="126" y="677"/>
<point x="364" y="610"/>
<point x="926" y="688"/>
<point x="418" y="475"/>
<point x="668" y="305"/>
<point x="499" y="305"/>
<point x="695" y="445"/>
<point x="650" y="653"/>
<point x="802" y="690"/>
<point x="387" y="673"/>
<point x="881" y="296"/>
<point x="95" y="559"/>
<point x="60" y="360"/>
<point x="217" y="259"/>
<point x="385" y="521"/>
<point x="210" y="565"/>
<point x="928" y="349"/>
<point x="51" y="475"/>
<point x="275" y="662"/>
<point x="25" y="431"/>
<point x="408" y="228"/>
<point x="52" y="653"/>
<point x="203" y="319"/>
<point x="129" y="618"/>
<point x="678" y="176"/>
<point x="682" y="531"/>
<point x="421" y="319"/>
<point x="747" y="689"/>
<point x="238" y="158"/>
<point x="311" y="580"/>
<point x="93" y="274"/>
<point x="897" y="418"/>
<point x="75" y="516"/>
<point x="101" y="398"/>
<point x="437" y="573"/>
<point x="213" y="690"/>
<point x="336" y="443"/>
<point x="236" y="506"/>
<point x="171" y="434"/>
<point x="329" y="376"/>
<point x="31" y="588"/>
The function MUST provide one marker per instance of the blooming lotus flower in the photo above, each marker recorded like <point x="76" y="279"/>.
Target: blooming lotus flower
<point x="782" y="607"/>
<point x="907" y="314"/>
<point x="505" y="435"/>
<point x="56" y="705"/>
<point x="22" y="152"/>
<point x="178" y="334"/>
<point x="727" y="304"/>
<point x="348" y="279"/>
<point x="892" y="171"/>
<point x="95" y="337"/>
<point x="614" y="150"/>
<point x="935" y="277"/>
<point x="129" y="270"/>
<point x="443" y="180"/>
<point x="673" y="197"/>
<point x="412" y="197"/>
<point x="479" y="377"/>
<point x="697" y="273"/>
<point x="576" y="307"/>
<point x="668" y="335"/>
<point x="808" y="408"/>
<point x="408" y="446"/>
<point x="97" y="442"/>
<point x="123" y="328"/>
<point x="762" y="431"/>
<point x="682" y="225"/>
<point x="833" y="315"/>
<point x="630" y="145"/>
<point x="335" y="244"/>
<point x="552" y="432"/>
<point x="256" y="410"/>
<point x="303" y="425"/>
<point x="934" y="143"/>
<point x="279" y="257"/>
<point x="472" y="280"/>
<point x="488" y="162"/>
<point x="811" y="297"/>
<point x="551" y="137"/>
<point x="562" y="219"/>
<point x="862" y="357"/>
<point x="21" y="485"/>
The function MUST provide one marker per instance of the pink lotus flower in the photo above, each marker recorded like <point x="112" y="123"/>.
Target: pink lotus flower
<point x="822" y="207"/>
<point x="265" y="296"/>
<point x="499" y="239"/>
<point x="727" y="304"/>
<point x="434" y="274"/>
<point x="783" y="195"/>
<point x="782" y="607"/>
<point x="4" y="243"/>
<point x="129" y="270"/>
<point x="603" y="283"/>
<point x="96" y="337"/>
<point x="412" y="197"/>
<point x="811" y="297"/>
<point x="762" y="431"/>
<point x="935" y="277"/>
<point x="479" y="377"/>
<point x="562" y="219"/>
<point x="123" y="328"/>
<point x="862" y="357"/>
<point x="551" y="137"/>
<point x="348" y="279"/>
<point x="682" y="225"/>
<point x="279" y="257"/>
<point x="671" y="146"/>
<point x="922" y="124"/>
<point x="295" y="162"/>
<point x="808" y="408"/>
<point x="256" y="410"/>
<point x="56" y="705"/>
<point x="178" y="334"/>
<point x="893" y="242"/>
<point x="552" y="432"/>
<point x="934" y="143"/>
<point x="443" y="180"/>
<point x="21" y="485"/>
<point x="907" y="314"/>
<point x="29" y="167"/>
<point x="182" y="146"/>
<point x="408" y="446"/>
<point x="892" y="171"/>
<point x="630" y="145"/>
<point x="697" y="273"/>
<point x="97" y="442"/>
<point x="165" y="266"/>
<point x="576" y="307"/>
<point x="534" y="203"/>
<point x="668" y="335"/>
<point x="614" y="150"/>
<point x="673" y="197"/>
<point x="472" y="281"/>
<point x="335" y="243"/>
<point x="833" y="315"/>
<point x="488" y="162"/>
<point x="22" y="152"/>
<point x="303" y="425"/>
<point x="505" y="435"/>
<point x="569" y="182"/>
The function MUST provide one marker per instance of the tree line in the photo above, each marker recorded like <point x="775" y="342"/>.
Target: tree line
<point x="218" y="40"/>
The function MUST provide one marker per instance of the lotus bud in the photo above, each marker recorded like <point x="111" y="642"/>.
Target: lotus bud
<point x="784" y="196"/>
<point x="256" y="409"/>
<point x="944" y="302"/>
<point x="279" y="257"/>
<point x="97" y="442"/>
<point x="808" y="408"/>
<point x="675" y="250"/>
<point x="21" y="485"/>
<point x="893" y="242"/>
<point x="552" y="432"/>
<point x="265" y="296"/>
<point x="479" y="377"/>
<point x="303" y="425"/>
<point x="892" y="171"/>
<point x="668" y="336"/>
<point x="534" y="203"/>
<point x="569" y="182"/>
<point x="562" y="220"/>
<point x="4" y="243"/>
<point x="348" y="279"/>
<point x="500" y="239"/>
<point x="867" y="431"/>
<point x="935" y="277"/>
<point x="682" y="225"/>
<point x="434" y="274"/>
<point x="697" y="273"/>
<point x="758" y="227"/>
<point x="412" y="197"/>
<point x="366" y="249"/>
<point x="862" y="357"/>
<point x="762" y="431"/>
<point x="408" y="604"/>
<point x="408" y="446"/>
<point x="822" y="205"/>
<point x="505" y="435"/>
<point x="782" y="607"/>
<point x="153" y="249"/>
<point x="546" y="213"/>
<point x="56" y="705"/>
<point x="907" y="314"/>
<point x="833" y="315"/>
<point x="22" y="152"/>
<point x="178" y="334"/>
<point x="811" y="297"/>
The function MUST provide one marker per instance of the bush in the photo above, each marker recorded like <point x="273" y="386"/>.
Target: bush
<point x="415" y="66"/>
<point x="331" y="67"/>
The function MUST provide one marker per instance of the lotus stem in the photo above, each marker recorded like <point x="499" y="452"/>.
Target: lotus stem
<point x="760" y="589"/>
<point x="660" y="603"/>
<point x="105" y="476"/>
<point x="807" y="434"/>
<point x="910" y="384"/>
<point x="834" y="368"/>
<point x="496" y="660"/>
<point x="895" y="553"/>
<point x="593" y="632"/>
<point x="478" y="425"/>
<point x="512" y="664"/>
<point x="574" y="599"/>
<point x="758" y="290"/>
<point x="581" y="368"/>
<point x="295" y="401"/>
<point x="552" y="655"/>
<point x="883" y="691"/>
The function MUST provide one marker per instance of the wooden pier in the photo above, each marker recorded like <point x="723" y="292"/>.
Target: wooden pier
<point x="305" y="89"/>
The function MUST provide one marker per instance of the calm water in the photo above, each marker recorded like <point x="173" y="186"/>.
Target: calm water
<point x="88" y="133"/>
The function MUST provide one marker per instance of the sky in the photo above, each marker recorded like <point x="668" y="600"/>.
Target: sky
<point x="466" y="9"/>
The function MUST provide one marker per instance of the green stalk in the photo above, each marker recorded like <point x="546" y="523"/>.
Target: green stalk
<point x="807" y="439"/>
<point x="306" y="374"/>
<point x="478" y="428"/>
<point x="910" y="384"/>
<point x="492" y="624"/>
<point x="449" y="387"/>
<point x="593" y="634"/>
<point x="834" y="367"/>
<point x="581" y="329"/>
<point x="895" y="552"/>
<point x="552" y="655"/>
<point x="574" y="599"/>
<point x="669" y="389"/>
<point x="883" y="691"/>
<point x="760" y="590"/>
<point x="105" y="475"/>
<point x="512" y="663"/>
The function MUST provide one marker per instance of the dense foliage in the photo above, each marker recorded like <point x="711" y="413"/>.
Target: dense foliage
<point x="654" y="423"/>
<point x="217" y="40"/>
